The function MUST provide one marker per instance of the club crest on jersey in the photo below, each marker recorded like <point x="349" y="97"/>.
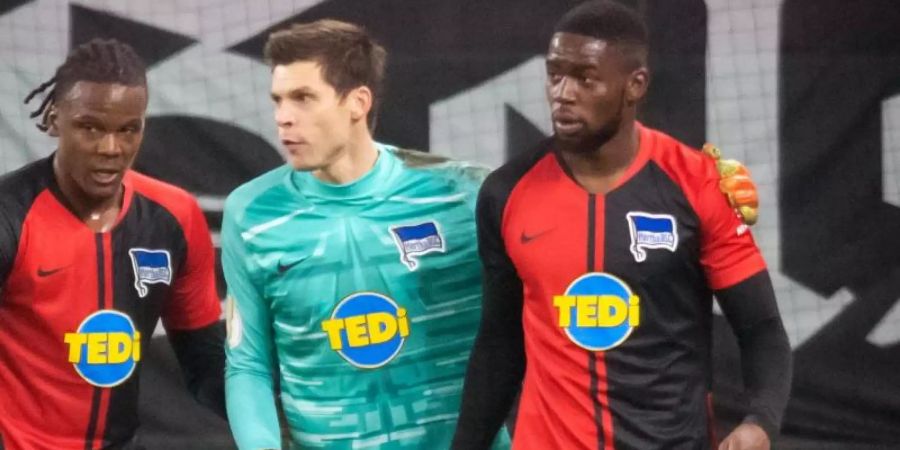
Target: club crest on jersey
<point x="417" y="240"/>
<point x="598" y="311"/>
<point x="651" y="231"/>
<point x="367" y="329"/>
<point x="106" y="348"/>
<point x="150" y="267"/>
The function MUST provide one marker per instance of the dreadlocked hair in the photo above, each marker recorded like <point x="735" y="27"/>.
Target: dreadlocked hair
<point x="98" y="61"/>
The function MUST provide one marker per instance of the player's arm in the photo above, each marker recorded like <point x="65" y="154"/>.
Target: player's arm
<point x="249" y="390"/>
<point x="497" y="362"/>
<point x="751" y="310"/>
<point x="9" y="241"/>
<point x="192" y="317"/>
<point x="737" y="274"/>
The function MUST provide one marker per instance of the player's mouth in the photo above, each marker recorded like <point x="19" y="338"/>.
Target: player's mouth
<point x="105" y="176"/>
<point x="566" y="124"/>
<point x="293" y="145"/>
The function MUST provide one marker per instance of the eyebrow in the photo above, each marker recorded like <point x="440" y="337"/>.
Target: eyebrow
<point x="86" y="117"/>
<point x="94" y="120"/>
<point x="292" y="93"/>
<point x="572" y="65"/>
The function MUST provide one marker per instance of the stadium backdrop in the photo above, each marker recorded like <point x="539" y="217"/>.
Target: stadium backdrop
<point x="806" y="92"/>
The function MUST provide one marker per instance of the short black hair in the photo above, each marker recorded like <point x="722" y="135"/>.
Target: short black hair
<point x="98" y="61"/>
<point x="349" y="57"/>
<point x="609" y="21"/>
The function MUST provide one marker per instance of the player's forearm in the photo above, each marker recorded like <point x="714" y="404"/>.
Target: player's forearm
<point x="765" y="350"/>
<point x="492" y="381"/>
<point x="766" y="362"/>
<point x="202" y="358"/>
<point x="251" y="410"/>
<point x="496" y="365"/>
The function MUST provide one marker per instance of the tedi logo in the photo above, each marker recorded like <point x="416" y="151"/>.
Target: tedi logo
<point x="105" y="349"/>
<point x="598" y="311"/>
<point x="367" y="329"/>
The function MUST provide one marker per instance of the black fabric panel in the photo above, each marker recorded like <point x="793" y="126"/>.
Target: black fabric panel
<point x="660" y="376"/>
<point x="146" y="225"/>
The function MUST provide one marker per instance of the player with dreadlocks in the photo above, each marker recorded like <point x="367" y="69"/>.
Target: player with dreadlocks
<point x="92" y="255"/>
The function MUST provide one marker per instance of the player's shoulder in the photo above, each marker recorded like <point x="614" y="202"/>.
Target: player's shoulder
<point x="35" y="174"/>
<point x="256" y="190"/>
<point x="502" y="181"/>
<point x="439" y="169"/>
<point x="176" y="200"/>
<point x="20" y="187"/>
<point x="687" y="166"/>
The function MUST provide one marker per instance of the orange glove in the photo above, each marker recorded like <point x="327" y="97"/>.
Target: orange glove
<point x="736" y="184"/>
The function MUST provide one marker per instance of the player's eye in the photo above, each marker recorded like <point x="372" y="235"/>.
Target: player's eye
<point x="89" y="128"/>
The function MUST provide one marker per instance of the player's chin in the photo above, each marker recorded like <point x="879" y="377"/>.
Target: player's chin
<point x="572" y="142"/>
<point x="100" y="192"/>
<point x="300" y="157"/>
<point x="302" y="165"/>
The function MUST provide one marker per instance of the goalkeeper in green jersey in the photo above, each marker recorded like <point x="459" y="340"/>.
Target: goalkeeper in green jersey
<point x="353" y="271"/>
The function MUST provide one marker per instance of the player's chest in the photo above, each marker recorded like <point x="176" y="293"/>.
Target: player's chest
<point x="96" y="297"/>
<point x="632" y="232"/>
<point x="64" y="269"/>
<point x="374" y="251"/>
<point x="360" y="286"/>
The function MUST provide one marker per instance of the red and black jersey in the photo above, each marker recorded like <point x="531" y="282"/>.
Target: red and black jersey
<point x="77" y="307"/>
<point x="616" y="294"/>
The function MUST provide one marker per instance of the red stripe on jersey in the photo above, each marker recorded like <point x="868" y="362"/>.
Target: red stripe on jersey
<point x="711" y="422"/>
<point x="107" y="304"/>
<point x="599" y="259"/>
<point x="603" y="397"/>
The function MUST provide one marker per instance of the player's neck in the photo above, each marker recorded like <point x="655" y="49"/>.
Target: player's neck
<point x="599" y="170"/>
<point x="356" y="160"/>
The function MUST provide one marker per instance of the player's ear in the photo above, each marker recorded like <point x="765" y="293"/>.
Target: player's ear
<point x="637" y="84"/>
<point x="360" y="101"/>
<point x="51" y="123"/>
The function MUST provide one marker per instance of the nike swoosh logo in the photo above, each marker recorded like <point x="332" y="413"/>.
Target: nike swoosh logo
<point x="528" y="238"/>
<point x="282" y="268"/>
<point x="46" y="273"/>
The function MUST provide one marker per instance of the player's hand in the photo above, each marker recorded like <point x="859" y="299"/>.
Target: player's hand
<point x="736" y="184"/>
<point x="747" y="436"/>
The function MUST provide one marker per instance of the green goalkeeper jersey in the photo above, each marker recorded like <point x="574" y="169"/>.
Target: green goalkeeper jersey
<point x="364" y="299"/>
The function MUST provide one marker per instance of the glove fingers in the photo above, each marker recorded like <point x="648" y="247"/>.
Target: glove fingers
<point x="744" y="197"/>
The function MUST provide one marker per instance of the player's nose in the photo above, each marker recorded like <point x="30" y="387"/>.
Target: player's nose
<point x="109" y="145"/>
